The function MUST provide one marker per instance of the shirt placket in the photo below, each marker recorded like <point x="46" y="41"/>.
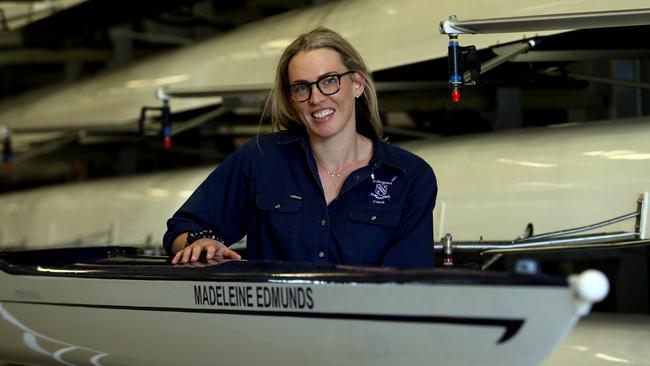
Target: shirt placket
<point x="320" y="252"/>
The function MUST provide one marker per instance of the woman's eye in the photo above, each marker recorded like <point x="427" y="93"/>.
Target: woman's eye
<point x="329" y="81"/>
<point x="300" y="88"/>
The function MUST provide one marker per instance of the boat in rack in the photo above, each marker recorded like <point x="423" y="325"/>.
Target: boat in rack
<point x="114" y="306"/>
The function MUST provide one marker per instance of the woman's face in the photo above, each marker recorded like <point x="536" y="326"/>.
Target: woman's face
<point x="325" y="116"/>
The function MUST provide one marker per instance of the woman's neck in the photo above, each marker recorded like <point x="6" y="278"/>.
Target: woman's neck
<point x="338" y="153"/>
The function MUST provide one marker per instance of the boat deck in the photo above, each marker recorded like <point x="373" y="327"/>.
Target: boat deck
<point x="128" y="263"/>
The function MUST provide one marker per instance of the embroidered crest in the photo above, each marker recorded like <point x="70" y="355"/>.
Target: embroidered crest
<point x="381" y="190"/>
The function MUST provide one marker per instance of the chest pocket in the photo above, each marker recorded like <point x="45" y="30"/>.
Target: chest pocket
<point x="276" y="203"/>
<point x="279" y="219"/>
<point x="375" y="216"/>
<point x="369" y="234"/>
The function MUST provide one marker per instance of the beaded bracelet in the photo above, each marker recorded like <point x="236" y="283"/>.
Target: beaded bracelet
<point x="193" y="236"/>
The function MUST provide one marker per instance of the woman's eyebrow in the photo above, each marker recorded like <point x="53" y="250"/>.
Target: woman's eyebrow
<point x="301" y="81"/>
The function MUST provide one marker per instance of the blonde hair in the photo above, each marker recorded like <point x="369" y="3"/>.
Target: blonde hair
<point x="283" y="115"/>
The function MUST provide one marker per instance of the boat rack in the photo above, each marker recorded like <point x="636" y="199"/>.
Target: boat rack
<point x="562" y="240"/>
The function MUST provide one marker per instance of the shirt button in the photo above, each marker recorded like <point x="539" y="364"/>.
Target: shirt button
<point x="321" y="254"/>
<point x="373" y="218"/>
<point x="323" y="222"/>
<point x="277" y="205"/>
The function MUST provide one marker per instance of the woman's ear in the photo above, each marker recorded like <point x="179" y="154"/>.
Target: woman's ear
<point x="359" y="84"/>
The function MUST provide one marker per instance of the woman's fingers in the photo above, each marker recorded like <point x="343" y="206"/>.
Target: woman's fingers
<point x="229" y="253"/>
<point x="177" y="257"/>
<point x="211" y="247"/>
<point x="211" y="250"/>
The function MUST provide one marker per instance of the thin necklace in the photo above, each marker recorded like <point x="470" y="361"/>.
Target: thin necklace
<point x="333" y="175"/>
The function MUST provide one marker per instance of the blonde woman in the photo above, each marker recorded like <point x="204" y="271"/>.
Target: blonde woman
<point x="325" y="188"/>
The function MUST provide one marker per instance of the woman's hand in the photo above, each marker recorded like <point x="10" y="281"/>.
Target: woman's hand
<point x="212" y="248"/>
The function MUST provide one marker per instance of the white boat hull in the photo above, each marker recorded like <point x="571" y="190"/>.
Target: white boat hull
<point x="347" y="317"/>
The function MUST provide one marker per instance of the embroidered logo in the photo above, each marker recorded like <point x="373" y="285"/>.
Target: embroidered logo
<point x="381" y="190"/>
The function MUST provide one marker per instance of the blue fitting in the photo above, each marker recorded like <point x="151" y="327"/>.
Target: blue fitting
<point x="167" y="130"/>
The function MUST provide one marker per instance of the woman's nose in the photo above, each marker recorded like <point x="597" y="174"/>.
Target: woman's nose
<point x="316" y="95"/>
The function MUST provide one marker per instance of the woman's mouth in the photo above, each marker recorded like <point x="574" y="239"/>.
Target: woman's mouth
<point x="323" y="113"/>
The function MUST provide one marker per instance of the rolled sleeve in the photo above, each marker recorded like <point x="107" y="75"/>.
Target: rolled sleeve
<point x="219" y="203"/>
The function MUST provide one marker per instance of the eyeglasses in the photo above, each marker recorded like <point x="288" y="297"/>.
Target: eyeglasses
<point x="327" y="85"/>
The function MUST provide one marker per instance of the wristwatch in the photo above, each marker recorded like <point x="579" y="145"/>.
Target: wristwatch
<point x="193" y="236"/>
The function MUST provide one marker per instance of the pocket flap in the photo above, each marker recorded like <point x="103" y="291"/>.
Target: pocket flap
<point x="276" y="203"/>
<point x="378" y="216"/>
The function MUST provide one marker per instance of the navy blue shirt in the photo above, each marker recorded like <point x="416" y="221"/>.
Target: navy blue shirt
<point x="270" y="190"/>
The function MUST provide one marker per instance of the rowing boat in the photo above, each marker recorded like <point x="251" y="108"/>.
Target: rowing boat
<point x="114" y="306"/>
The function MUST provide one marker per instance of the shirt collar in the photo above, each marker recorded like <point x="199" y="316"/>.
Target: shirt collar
<point x="291" y="136"/>
<point x="381" y="152"/>
<point x="383" y="155"/>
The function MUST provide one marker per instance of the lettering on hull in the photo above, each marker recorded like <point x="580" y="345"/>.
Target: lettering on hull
<point x="261" y="297"/>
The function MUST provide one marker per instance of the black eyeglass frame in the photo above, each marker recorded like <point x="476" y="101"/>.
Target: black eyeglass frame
<point x="317" y="82"/>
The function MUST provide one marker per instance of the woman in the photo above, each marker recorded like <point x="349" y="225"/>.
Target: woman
<point x="323" y="189"/>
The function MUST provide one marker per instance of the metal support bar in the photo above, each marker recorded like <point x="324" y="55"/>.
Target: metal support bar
<point x="47" y="147"/>
<point x="580" y="229"/>
<point x="496" y="247"/>
<point x="491" y="261"/>
<point x="578" y="246"/>
<point x="143" y="117"/>
<point x="601" y="19"/>
<point x="645" y="216"/>
<point x="505" y="54"/>
<point x="165" y="117"/>
<point x="447" y="246"/>
<point x="198" y="121"/>
<point x="557" y="241"/>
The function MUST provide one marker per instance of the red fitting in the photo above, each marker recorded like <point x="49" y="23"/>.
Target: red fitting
<point x="168" y="142"/>
<point x="455" y="96"/>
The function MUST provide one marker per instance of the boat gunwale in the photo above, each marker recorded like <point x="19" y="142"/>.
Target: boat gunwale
<point x="126" y="263"/>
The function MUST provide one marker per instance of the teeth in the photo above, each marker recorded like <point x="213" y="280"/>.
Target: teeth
<point x="322" y="114"/>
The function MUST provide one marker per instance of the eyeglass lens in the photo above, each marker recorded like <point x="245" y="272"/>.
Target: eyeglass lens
<point x="327" y="85"/>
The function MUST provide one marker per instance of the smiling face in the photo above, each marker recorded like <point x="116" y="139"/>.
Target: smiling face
<point x="325" y="116"/>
